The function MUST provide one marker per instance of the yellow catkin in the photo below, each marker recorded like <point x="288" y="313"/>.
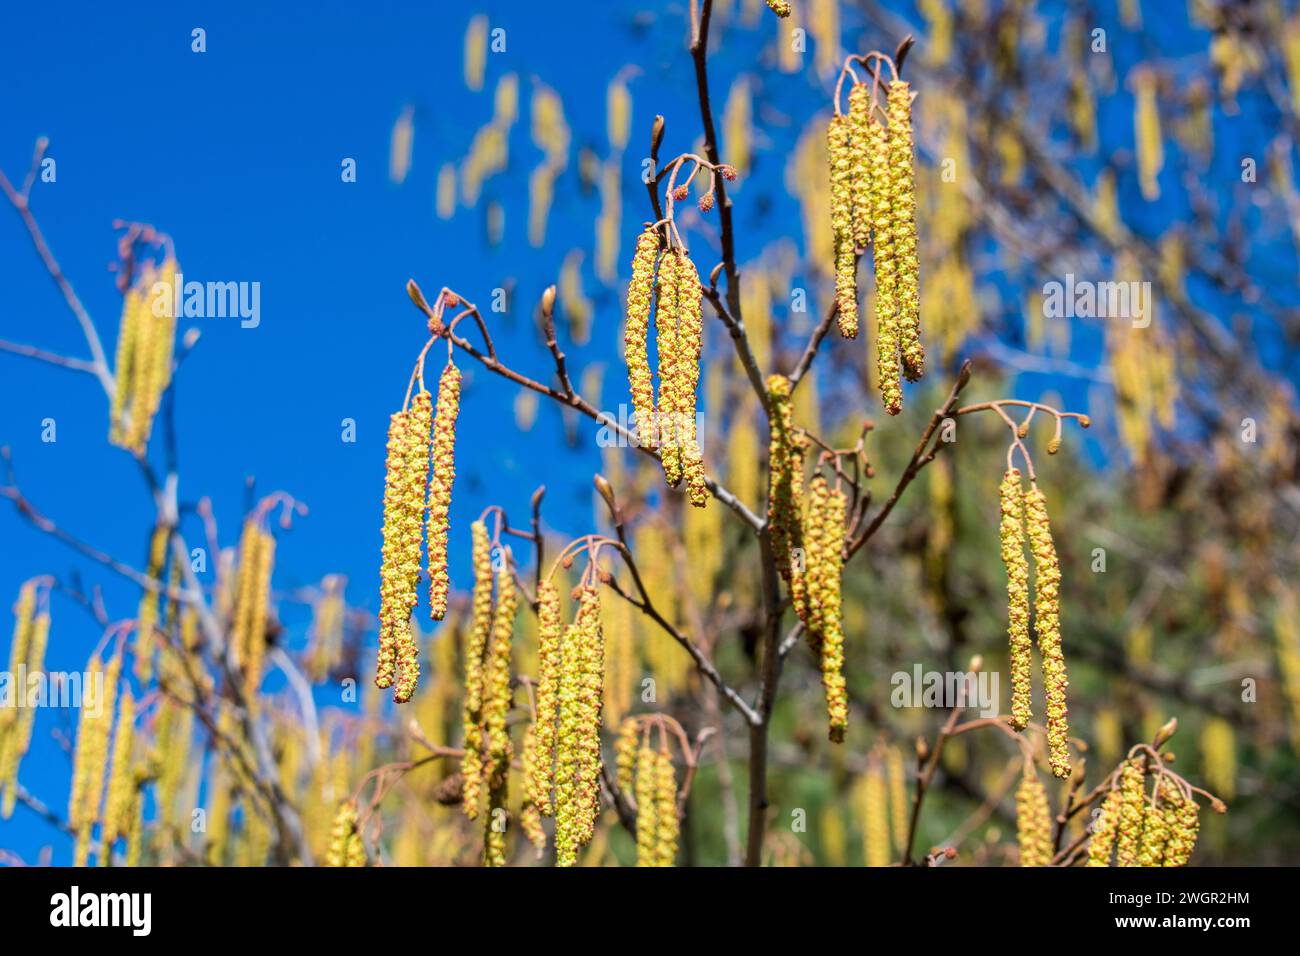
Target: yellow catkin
<point x="152" y="362"/>
<point x="1033" y="820"/>
<point x="255" y="659"/>
<point x="666" y="321"/>
<point x="640" y="296"/>
<point x="667" y="824"/>
<point x="442" y="475"/>
<point x="90" y="759"/>
<point x="1132" y="790"/>
<point x="1047" y="624"/>
<point x="1155" y="831"/>
<point x="415" y="479"/>
<point x="784" y="514"/>
<point x="883" y="256"/>
<point x="902" y="187"/>
<point x="875" y="816"/>
<point x="1105" y="825"/>
<point x="839" y="153"/>
<point x="860" y="153"/>
<point x="590" y="698"/>
<point x="647" y="822"/>
<point x="690" y="340"/>
<point x="1012" y="533"/>
<point x="824" y="545"/>
<point x="1146" y="133"/>
<point x="496" y="821"/>
<point x="496" y="676"/>
<point x="346" y="848"/>
<point x="549" y="628"/>
<point x="31" y="635"/>
<point x="1219" y="757"/>
<point x="898" y="805"/>
<point x="567" y="749"/>
<point x="129" y="327"/>
<point x="530" y="817"/>
<point x="625" y="754"/>
<point x="1182" y="819"/>
<point x="146" y="633"/>
<point x="480" y="629"/>
<point x="395" y="574"/>
<point x="121" y="780"/>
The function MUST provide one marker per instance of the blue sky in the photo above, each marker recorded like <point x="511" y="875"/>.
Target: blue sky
<point x="236" y="154"/>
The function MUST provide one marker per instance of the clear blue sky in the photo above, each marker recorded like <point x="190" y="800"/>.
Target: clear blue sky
<point x="236" y="154"/>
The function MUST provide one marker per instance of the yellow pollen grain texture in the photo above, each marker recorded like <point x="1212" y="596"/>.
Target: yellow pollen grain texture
<point x="640" y="296"/>
<point x="839" y="153"/>
<point x="666" y="322"/>
<point x="902" y="186"/>
<point x="883" y="256"/>
<point x="1047" y="622"/>
<point x="442" y="476"/>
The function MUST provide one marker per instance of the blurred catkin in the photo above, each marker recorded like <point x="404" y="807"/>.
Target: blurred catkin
<point x="1012" y="533"/>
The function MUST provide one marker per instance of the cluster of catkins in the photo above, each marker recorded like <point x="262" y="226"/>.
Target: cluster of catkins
<point x="1027" y="508"/>
<point x="563" y="765"/>
<point x="808" y="541"/>
<point x="647" y="779"/>
<point x="26" y="656"/>
<point x="417" y="437"/>
<point x="95" y="769"/>
<point x="346" y="846"/>
<point x="873" y="203"/>
<point x="252" y="598"/>
<point x="485" y="765"/>
<point x="1159" y="830"/>
<point x="146" y="338"/>
<point x="669" y="285"/>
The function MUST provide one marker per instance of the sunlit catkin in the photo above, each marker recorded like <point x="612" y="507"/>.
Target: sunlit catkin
<point x="625" y="754"/>
<point x="1155" y="831"/>
<point x="666" y="822"/>
<point x="883" y="256"/>
<point x="860" y="151"/>
<point x="839" y="152"/>
<point x="647" y="822"/>
<point x="785" y="509"/>
<point x="690" y="332"/>
<point x="442" y="475"/>
<point x="1047" y="624"/>
<point x="1012" y="533"/>
<point x="496" y="677"/>
<point x="640" y="297"/>
<point x="121" y="779"/>
<point x="480" y="629"/>
<point x="824" y="545"/>
<point x="568" y="747"/>
<point x="1132" y="793"/>
<point x="1033" y="820"/>
<point x="667" y="314"/>
<point x="590" y="696"/>
<point x="1105" y="825"/>
<point x="549" y="627"/>
<point x="903" y="193"/>
<point x="31" y="635"/>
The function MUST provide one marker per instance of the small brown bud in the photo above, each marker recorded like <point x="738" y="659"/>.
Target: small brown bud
<point x="548" y="301"/>
<point x="606" y="491"/>
<point x="1165" y="732"/>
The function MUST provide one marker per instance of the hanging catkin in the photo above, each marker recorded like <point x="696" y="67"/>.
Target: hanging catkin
<point x="665" y="798"/>
<point x="496" y="677"/>
<point x="883" y="253"/>
<point x="568" y="747"/>
<point x="1155" y="832"/>
<point x="548" y="688"/>
<point x="392" y="576"/>
<point x="860" y="151"/>
<point x="1132" y="787"/>
<point x="625" y="755"/>
<point x="121" y="779"/>
<point x="839" y="152"/>
<point x="1047" y="623"/>
<point x="903" y="193"/>
<point x="31" y="635"/>
<point x="1033" y="820"/>
<point x="690" y="334"/>
<point x="480" y="629"/>
<point x="1013" y="557"/>
<point x="1105" y="826"/>
<point x="346" y="847"/>
<point x="647" y="822"/>
<point x="785" y="510"/>
<point x="590" y="695"/>
<point x="666" y="321"/>
<point x="1182" y="819"/>
<point x="442" y="475"/>
<point x="90" y="758"/>
<point x="640" y="297"/>
<point x="824" y="539"/>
